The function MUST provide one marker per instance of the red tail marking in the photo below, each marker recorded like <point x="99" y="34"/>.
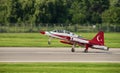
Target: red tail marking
<point x="98" y="39"/>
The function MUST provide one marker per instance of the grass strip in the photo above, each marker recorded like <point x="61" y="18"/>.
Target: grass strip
<point x="59" y="67"/>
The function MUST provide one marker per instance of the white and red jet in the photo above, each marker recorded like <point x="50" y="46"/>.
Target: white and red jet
<point x="67" y="37"/>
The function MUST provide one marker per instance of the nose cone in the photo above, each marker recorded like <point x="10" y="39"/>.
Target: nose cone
<point x="42" y="32"/>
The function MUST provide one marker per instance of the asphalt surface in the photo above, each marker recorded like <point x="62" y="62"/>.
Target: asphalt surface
<point x="36" y="54"/>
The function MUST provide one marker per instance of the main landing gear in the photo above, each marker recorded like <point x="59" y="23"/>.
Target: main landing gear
<point x="86" y="50"/>
<point x="73" y="47"/>
<point x="72" y="50"/>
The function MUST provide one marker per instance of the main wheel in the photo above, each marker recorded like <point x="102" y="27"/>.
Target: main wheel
<point x="108" y="49"/>
<point x="85" y="51"/>
<point x="72" y="50"/>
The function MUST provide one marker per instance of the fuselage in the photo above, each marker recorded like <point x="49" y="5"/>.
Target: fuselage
<point x="61" y="34"/>
<point x="67" y="36"/>
<point x="70" y="38"/>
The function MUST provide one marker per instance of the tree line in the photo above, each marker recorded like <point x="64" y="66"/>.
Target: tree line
<point x="60" y="11"/>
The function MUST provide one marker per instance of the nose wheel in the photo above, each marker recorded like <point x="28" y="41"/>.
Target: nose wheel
<point x="49" y="41"/>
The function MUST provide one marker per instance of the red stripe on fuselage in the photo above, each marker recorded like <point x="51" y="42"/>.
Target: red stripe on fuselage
<point x="61" y="36"/>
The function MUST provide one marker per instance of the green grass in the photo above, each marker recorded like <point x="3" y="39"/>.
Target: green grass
<point x="59" y="67"/>
<point x="38" y="40"/>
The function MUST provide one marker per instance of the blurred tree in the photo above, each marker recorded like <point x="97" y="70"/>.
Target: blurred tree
<point x="16" y="12"/>
<point x="112" y="15"/>
<point x="59" y="11"/>
<point x="53" y="11"/>
<point x="5" y="9"/>
<point x="117" y="3"/>
<point x="78" y="11"/>
<point x="88" y="11"/>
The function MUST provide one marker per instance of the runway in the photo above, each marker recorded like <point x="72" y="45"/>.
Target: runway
<point x="36" y="54"/>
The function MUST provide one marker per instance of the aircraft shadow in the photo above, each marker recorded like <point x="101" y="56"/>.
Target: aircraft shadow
<point x="94" y="52"/>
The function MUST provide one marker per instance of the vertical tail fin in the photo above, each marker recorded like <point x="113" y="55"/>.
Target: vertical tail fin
<point x="98" y="39"/>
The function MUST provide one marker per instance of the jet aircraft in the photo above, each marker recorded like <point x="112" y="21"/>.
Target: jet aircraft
<point x="68" y="37"/>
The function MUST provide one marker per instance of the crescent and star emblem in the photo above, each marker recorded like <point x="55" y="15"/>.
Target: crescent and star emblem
<point x="98" y="38"/>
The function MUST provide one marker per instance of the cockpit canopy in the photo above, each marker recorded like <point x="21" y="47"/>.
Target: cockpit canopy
<point x="63" y="31"/>
<point x="66" y="32"/>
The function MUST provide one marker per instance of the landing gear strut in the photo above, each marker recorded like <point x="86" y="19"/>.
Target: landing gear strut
<point x="86" y="50"/>
<point x="49" y="41"/>
<point x="108" y="49"/>
<point x="73" y="47"/>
